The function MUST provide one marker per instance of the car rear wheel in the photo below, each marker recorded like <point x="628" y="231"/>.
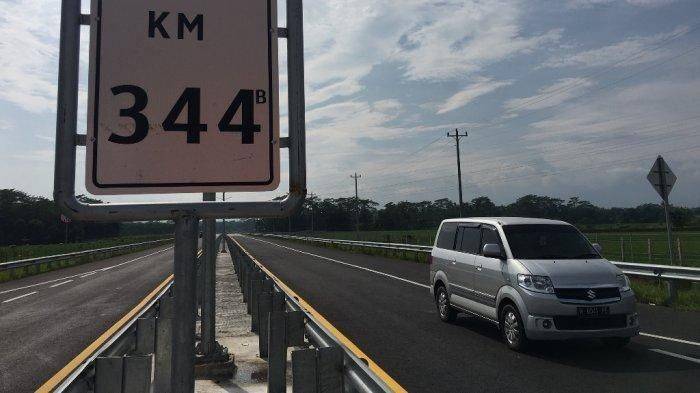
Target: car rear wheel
<point x="513" y="329"/>
<point x="442" y="301"/>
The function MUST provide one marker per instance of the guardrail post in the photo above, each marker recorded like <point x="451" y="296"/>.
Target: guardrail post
<point x="304" y="371"/>
<point x="108" y="374"/>
<point x="330" y="369"/>
<point x="182" y="377"/>
<point x="264" y="310"/>
<point x="295" y="328"/>
<point x="145" y="336"/>
<point x="318" y="370"/>
<point x="256" y="290"/>
<point x="277" y="358"/>
<point x="163" y="354"/>
<point x="137" y="374"/>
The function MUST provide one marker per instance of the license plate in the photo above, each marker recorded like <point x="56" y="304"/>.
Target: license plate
<point x="597" y="311"/>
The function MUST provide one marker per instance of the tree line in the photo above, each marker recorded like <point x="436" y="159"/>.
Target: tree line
<point x="28" y="219"/>
<point x="340" y="214"/>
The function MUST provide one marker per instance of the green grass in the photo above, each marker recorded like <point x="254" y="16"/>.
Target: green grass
<point x="13" y="253"/>
<point x="617" y="246"/>
<point x="35" y="251"/>
<point x="648" y="291"/>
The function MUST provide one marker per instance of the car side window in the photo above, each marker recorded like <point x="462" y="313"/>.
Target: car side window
<point x="470" y="240"/>
<point x="446" y="237"/>
<point x="489" y="235"/>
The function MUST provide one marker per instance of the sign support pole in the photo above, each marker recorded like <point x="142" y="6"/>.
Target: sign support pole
<point x="672" y="288"/>
<point x="209" y="282"/>
<point x="182" y="379"/>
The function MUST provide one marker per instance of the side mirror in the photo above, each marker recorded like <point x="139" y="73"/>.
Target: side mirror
<point x="492" y="250"/>
<point x="598" y="248"/>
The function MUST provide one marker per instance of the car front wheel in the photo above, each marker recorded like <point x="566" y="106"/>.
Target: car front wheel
<point x="513" y="329"/>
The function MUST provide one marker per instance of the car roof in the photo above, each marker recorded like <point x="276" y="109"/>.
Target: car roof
<point x="507" y="220"/>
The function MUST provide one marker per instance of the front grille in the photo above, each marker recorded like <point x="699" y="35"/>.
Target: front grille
<point x="573" y="322"/>
<point x="582" y="293"/>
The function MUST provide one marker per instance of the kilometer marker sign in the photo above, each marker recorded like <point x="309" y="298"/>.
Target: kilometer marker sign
<point x="182" y="97"/>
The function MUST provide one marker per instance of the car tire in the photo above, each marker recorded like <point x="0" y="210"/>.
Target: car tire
<point x="442" y="301"/>
<point x="616" y="342"/>
<point x="513" y="329"/>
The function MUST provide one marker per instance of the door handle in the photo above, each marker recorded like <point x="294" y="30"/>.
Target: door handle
<point x="454" y="262"/>
<point x="479" y="267"/>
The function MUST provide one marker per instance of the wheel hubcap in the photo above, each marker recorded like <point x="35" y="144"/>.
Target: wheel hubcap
<point x="511" y="328"/>
<point x="442" y="303"/>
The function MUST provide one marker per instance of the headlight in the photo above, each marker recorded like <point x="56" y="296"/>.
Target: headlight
<point x="533" y="283"/>
<point x="623" y="282"/>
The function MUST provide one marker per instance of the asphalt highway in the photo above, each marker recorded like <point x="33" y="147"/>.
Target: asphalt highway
<point x="47" y="319"/>
<point x="384" y="306"/>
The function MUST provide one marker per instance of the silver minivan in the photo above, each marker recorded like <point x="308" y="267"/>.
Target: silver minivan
<point x="535" y="279"/>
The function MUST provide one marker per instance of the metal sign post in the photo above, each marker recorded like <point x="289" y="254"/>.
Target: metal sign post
<point x="169" y="113"/>
<point x="663" y="179"/>
<point x="182" y="377"/>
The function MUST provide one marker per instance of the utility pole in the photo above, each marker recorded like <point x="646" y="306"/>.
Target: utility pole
<point x="357" y="203"/>
<point x="457" y="135"/>
<point x="223" y="198"/>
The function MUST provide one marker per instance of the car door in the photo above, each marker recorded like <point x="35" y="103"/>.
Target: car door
<point x="466" y="247"/>
<point x="488" y="272"/>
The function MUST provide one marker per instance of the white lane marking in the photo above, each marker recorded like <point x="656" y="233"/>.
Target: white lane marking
<point x="84" y="273"/>
<point x="19" y="297"/>
<point x="678" y="340"/>
<point x="88" y="274"/>
<point x="344" y="263"/>
<point x="60" y="283"/>
<point x="675" y="355"/>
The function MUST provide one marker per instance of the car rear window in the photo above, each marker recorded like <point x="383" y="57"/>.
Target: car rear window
<point x="446" y="237"/>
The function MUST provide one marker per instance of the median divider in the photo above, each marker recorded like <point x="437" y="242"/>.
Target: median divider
<point x="323" y="358"/>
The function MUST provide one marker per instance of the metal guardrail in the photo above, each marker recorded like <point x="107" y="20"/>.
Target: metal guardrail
<point x="78" y="254"/>
<point x="282" y="321"/>
<point x="121" y="359"/>
<point x="134" y="355"/>
<point x="663" y="272"/>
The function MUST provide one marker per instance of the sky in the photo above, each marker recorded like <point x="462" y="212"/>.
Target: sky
<point x="558" y="98"/>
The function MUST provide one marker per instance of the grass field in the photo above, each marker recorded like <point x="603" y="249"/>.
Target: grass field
<point x="642" y="247"/>
<point x="13" y="253"/>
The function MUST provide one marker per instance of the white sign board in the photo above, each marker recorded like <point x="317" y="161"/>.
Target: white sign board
<point x="183" y="97"/>
<point x="661" y="178"/>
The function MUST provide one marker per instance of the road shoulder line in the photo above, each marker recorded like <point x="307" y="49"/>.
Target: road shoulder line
<point x="343" y="263"/>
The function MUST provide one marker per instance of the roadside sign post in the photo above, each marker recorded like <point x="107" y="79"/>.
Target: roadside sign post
<point x="180" y="99"/>
<point x="663" y="179"/>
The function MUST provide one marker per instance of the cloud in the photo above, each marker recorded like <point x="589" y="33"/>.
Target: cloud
<point x="450" y="40"/>
<point x="471" y="92"/>
<point x="634" y="50"/>
<point x="594" y="3"/>
<point x="555" y="94"/>
<point x="29" y="53"/>
<point x="443" y="41"/>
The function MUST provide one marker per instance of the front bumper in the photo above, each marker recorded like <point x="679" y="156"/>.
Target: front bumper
<point x="542" y="308"/>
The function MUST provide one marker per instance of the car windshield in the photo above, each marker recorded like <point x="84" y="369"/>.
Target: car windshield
<point x="545" y="241"/>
